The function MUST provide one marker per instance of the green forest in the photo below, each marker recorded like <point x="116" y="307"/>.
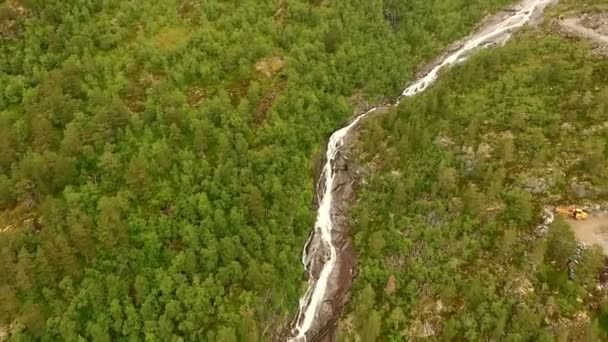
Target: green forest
<point x="157" y="157"/>
<point x="158" y="164"/>
<point x="445" y="224"/>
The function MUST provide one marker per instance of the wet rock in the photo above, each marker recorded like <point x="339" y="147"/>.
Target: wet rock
<point x="514" y="8"/>
<point x="346" y="178"/>
<point x="340" y="163"/>
<point x="316" y="257"/>
<point x="343" y="187"/>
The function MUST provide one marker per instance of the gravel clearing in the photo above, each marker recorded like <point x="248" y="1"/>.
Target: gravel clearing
<point x="587" y="26"/>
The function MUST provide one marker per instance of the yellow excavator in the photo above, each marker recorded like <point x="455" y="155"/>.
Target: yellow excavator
<point x="572" y="212"/>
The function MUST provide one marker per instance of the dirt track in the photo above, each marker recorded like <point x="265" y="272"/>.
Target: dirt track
<point x="592" y="231"/>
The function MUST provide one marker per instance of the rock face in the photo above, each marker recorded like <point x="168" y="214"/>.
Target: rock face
<point x="345" y="178"/>
<point x="345" y="182"/>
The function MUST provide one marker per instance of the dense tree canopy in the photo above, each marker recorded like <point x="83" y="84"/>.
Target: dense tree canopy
<point x="157" y="165"/>
<point x="156" y="173"/>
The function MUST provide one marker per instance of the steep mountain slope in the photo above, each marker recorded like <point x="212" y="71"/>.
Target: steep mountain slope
<point x="446" y="220"/>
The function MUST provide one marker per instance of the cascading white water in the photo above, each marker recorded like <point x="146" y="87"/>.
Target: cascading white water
<point x="315" y="294"/>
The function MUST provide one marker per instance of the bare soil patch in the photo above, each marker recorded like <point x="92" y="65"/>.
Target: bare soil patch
<point x="587" y="26"/>
<point x="592" y="231"/>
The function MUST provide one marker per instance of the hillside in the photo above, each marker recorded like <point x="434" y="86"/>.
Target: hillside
<point x="448" y="221"/>
<point x="157" y="158"/>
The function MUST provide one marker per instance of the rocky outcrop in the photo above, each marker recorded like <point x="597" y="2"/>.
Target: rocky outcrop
<point x="582" y="189"/>
<point x="586" y="26"/>
<point x="347" y="178"/>
<point x="547" y="218"/>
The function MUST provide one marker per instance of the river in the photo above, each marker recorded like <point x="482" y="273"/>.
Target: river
<point x="321" y="245"/>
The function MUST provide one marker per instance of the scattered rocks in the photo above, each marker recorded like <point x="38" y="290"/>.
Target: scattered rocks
<point x="543" y="181"/>
<point x="10" y="329"/>
<point x="469" y="158"/>
<point x="536" y="185"/>
<point x="439" y="305"/>
<point x="195" y="97"/>
<point x="596" y="129"/>
<point x="270" y="66"/>
<point x="472" y="156"/>
<point x="523" y="287"/>
<point x="358" y="102"/>
<point x="587" y="26"/>
<point x="594" y="209"/>
<point x="426" y="331"/>
<point x="582" y="189"/>
<point x="484" y="151"/>
<point x="420" y="329"/>
<point x="567" y="128"/>
<point x="444" y="141"/>
<point x="547" y="216"/>
<point x="575" y="260"/>
<point x="597" y="22"/>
